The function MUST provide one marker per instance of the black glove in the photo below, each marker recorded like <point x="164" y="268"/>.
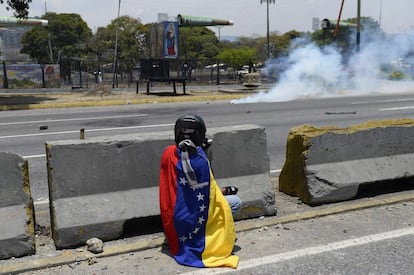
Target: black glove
<point x="230" y="190"/>
<point x="206" y="143"/>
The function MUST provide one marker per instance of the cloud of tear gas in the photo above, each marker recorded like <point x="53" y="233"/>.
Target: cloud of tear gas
<point x="311" y="71"/>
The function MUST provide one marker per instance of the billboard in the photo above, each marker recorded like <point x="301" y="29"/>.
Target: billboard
<point x="164" y="40"/>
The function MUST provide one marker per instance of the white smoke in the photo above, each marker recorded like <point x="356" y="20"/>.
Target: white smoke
<point x="312" y="71"/>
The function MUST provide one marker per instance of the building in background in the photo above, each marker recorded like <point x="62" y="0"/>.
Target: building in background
<point x="10" y="45"/>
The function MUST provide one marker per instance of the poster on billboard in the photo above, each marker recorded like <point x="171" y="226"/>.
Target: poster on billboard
<point x="170" y="39"/>
<point x="30" y="76"/>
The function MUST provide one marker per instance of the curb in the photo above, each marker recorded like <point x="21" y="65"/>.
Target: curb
<point x="71" y="256"/>
<point x="152" y="100"/>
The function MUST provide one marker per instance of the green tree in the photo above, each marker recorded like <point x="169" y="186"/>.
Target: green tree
<point x="236" y="58"/>
<point x="35" y="44"/>
<point x="132" y="45"/>
<point x="199" y="43"/>
<point x="63" y="41"/>
<point x="282" y="43"/>
<point x="249" y="42"/>
<point x="64" y="38"/>
<point x="101" y="49"/>
<point x="370" y="28"/>
<point x="20" y="7"/>
<point x="368" y="24"/>
<point x="342" y="39"/>
<point x="279" y="44"/>
<point x="345" y="38"/>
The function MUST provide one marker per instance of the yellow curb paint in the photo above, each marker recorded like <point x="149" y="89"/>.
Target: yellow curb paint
<point x="121" y="102"/>
<point x="68" y="257"/>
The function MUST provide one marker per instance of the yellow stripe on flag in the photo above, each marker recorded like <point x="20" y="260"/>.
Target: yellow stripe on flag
<point x="220" y="231"/>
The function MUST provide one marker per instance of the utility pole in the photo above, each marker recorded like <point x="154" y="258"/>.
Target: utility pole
<point x="358" y="34"/>
<point x="49" y="42"/>
<point x="218" y="28"/>
<point x="267" y="33"/>
<point x="380" y="13"/>
<point x="114" y="78"/>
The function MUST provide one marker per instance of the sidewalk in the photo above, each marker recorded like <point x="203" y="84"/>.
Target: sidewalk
<point x="289" y="209"/>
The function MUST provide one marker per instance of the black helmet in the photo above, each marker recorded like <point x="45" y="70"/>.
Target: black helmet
<point x="190" y="127"/>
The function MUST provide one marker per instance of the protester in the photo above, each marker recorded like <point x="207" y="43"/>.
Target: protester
<point x="197" y="219"/>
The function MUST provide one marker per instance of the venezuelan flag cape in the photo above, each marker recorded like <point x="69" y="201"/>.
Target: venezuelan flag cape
<point x="196" y="217"/>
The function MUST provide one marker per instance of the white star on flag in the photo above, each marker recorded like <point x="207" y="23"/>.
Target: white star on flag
<point x="202" y="208"/>
<point x="200" y="196"/>
<point x="201" y="220"/>
<point x="183" y="181"/>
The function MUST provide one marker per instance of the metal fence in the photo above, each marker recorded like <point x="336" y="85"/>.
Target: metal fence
<point x="195" y="71"/>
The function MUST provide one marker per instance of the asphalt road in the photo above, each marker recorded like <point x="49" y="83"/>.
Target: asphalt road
<point x="21" y="130"/>
<point x="374" y="240"/>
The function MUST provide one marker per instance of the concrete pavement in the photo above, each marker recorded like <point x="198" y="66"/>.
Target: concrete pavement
<point x="290" y="209"/>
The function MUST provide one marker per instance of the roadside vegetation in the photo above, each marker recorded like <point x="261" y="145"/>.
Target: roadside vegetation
<point x="70" y="42"/>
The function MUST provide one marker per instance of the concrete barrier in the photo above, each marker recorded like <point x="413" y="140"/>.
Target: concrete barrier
<point x="328" y="164"/>
<point x="17" y="236"/>
<point x="239" y="157"/>
<point x="96" y="185"/>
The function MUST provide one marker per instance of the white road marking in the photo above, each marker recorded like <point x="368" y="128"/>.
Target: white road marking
<point x="87" y="130"/>
<point x="272" y="259"/>
<point x="383" y="101"/>
<point x="397" y="108"/>
<point x="67" y="119"/>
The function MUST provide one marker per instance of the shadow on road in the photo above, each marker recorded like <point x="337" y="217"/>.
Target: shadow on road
<point x="142" y="226"/>
<point x="14" y="100"/>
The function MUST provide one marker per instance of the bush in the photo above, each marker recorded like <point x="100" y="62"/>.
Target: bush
<point x="396" y="75"/>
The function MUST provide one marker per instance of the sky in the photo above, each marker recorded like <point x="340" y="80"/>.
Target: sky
<point x="249" y="16"/>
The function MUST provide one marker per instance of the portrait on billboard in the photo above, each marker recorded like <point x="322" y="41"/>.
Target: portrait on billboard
<point x="170" y="39"/>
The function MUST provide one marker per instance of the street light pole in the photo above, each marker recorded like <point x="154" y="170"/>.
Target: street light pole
<point x="114" y="78"/>
<point x="267" y="33"/>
